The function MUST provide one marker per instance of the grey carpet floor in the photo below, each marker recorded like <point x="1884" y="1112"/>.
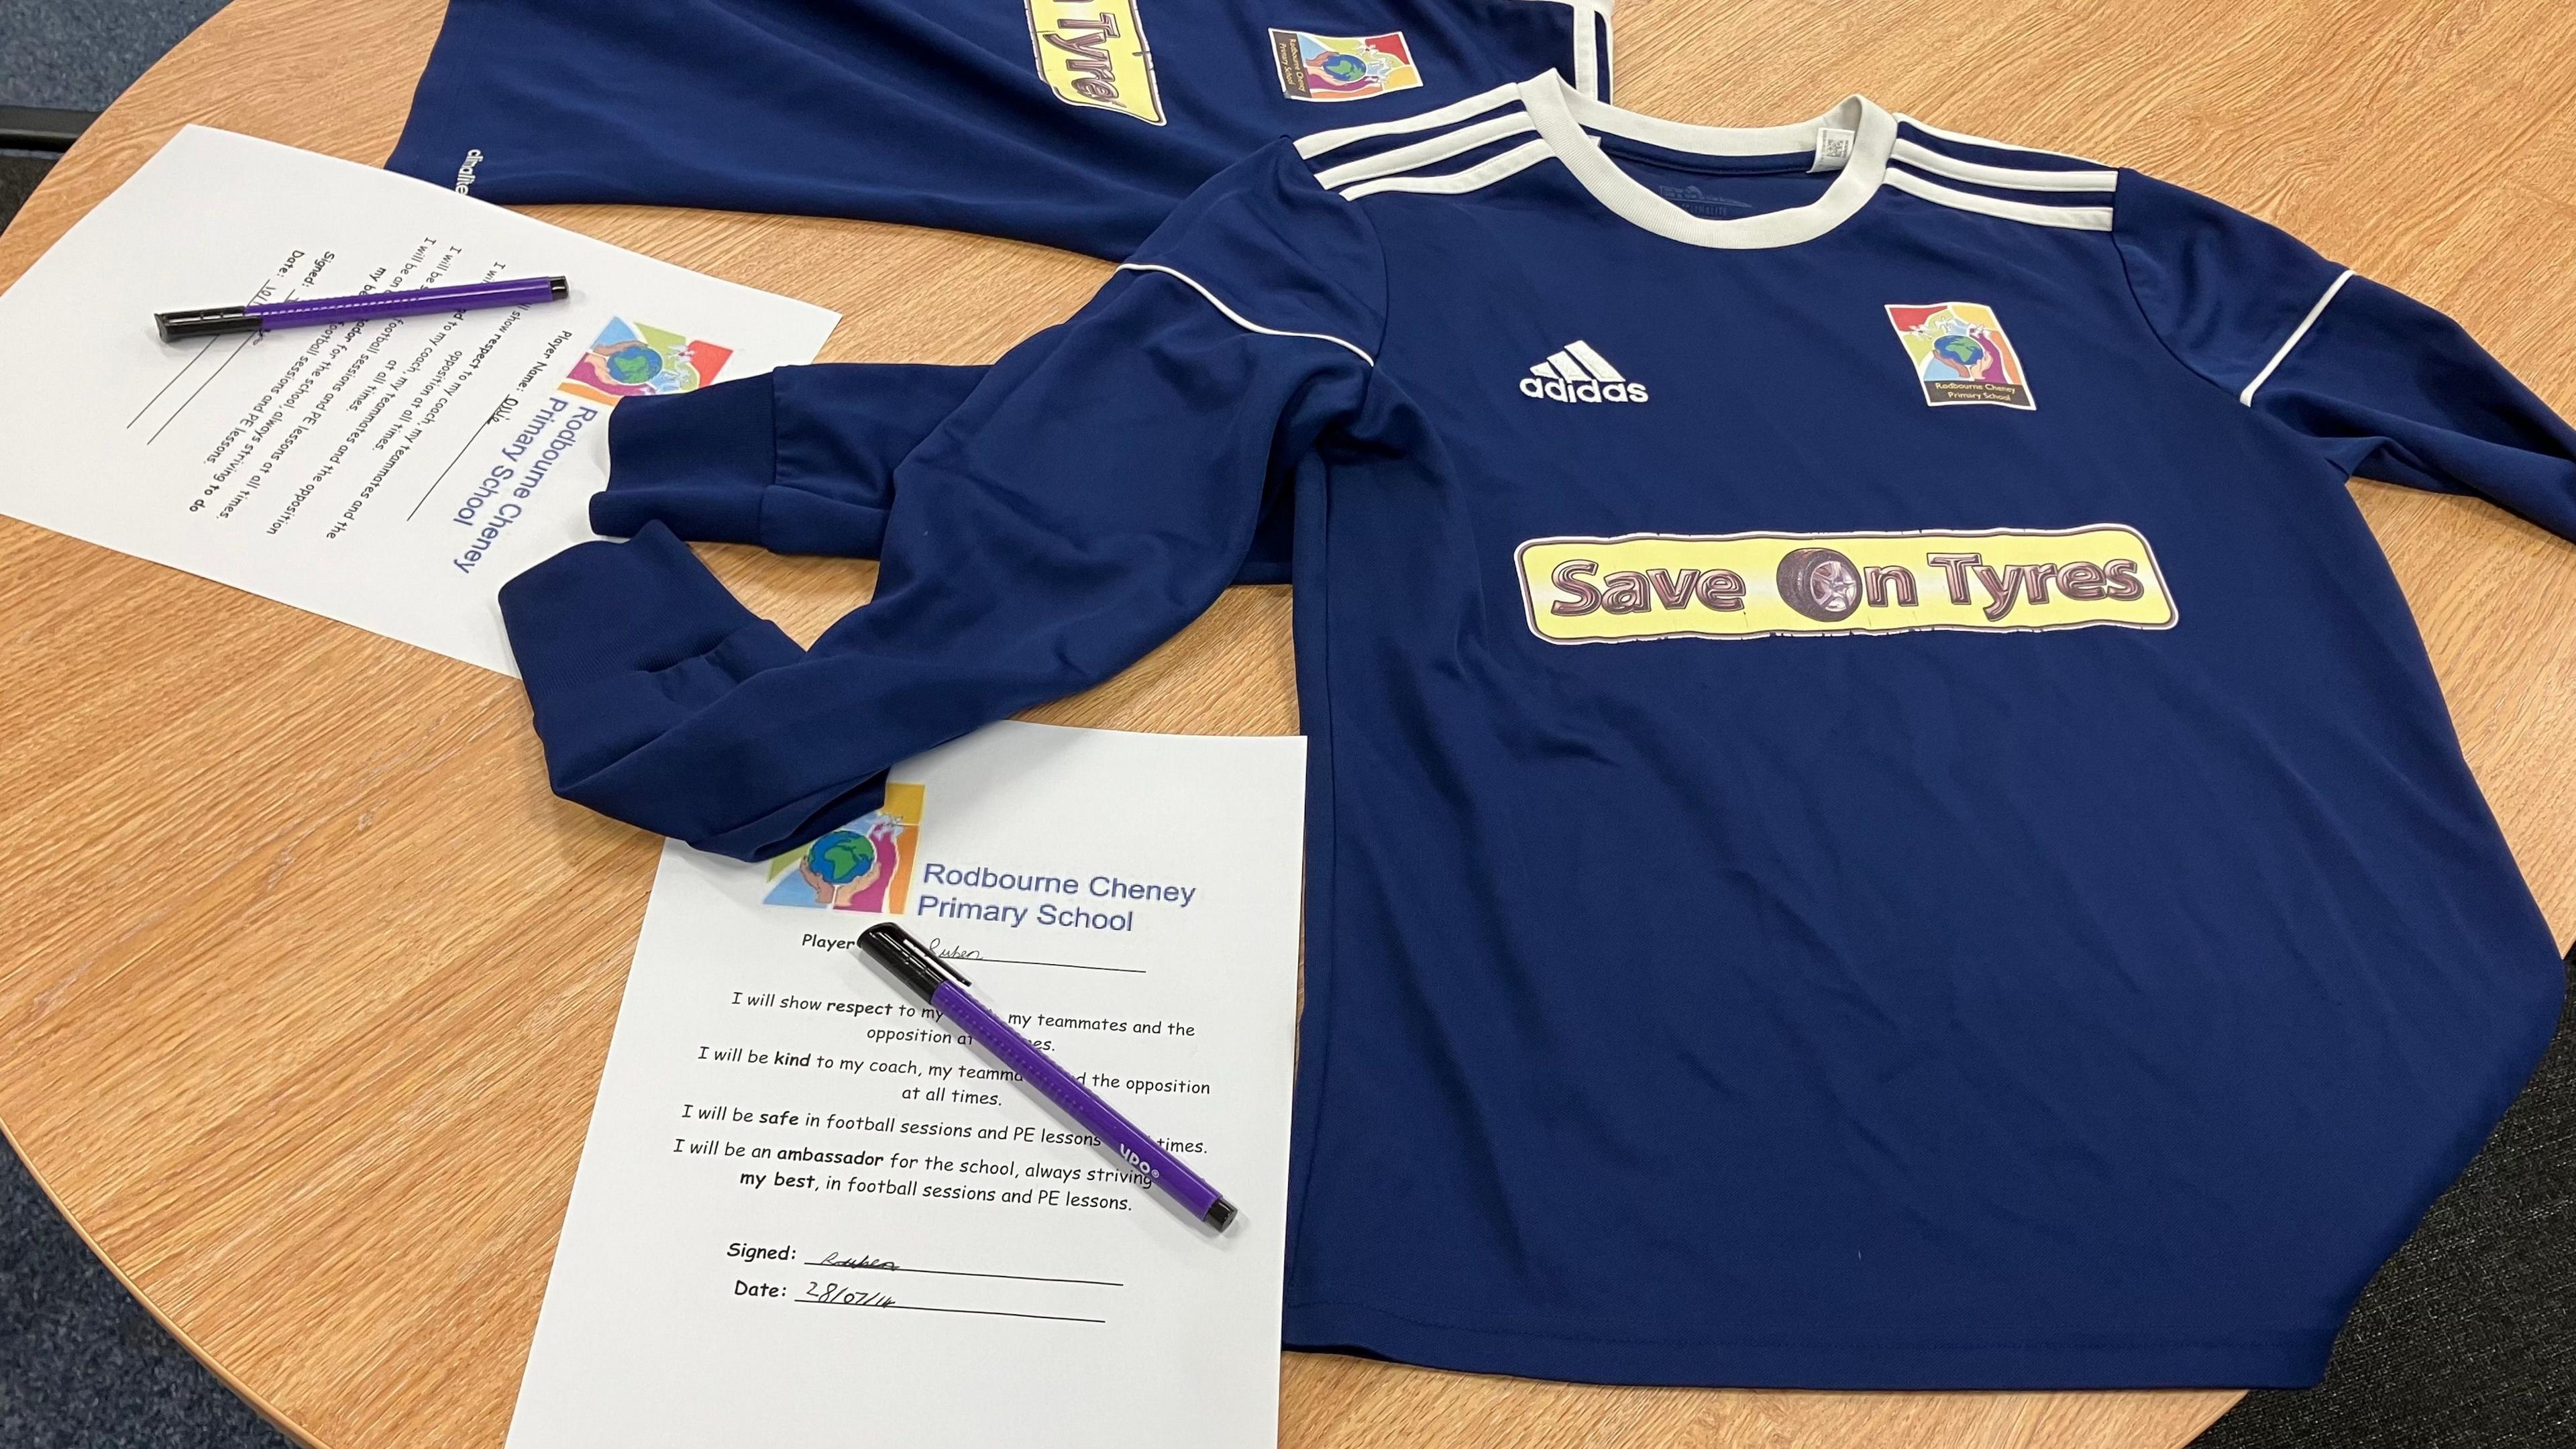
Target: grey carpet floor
<point x="2466" y="1340"/>
<point x="78" y="54"/>
<point x="82" y="1366"/>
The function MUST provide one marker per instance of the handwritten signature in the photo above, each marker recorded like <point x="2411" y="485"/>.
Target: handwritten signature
<point x="864" y="1260"/>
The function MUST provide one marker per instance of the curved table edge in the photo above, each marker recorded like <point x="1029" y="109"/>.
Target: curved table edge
<point x="274" y="1415"/>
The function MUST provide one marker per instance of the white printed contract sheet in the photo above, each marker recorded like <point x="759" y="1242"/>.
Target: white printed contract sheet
<point x="809" y="1212"/>
<point x="390" y="474"/>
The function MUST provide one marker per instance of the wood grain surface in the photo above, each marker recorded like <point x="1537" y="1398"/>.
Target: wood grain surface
<point x="305" y="979"/>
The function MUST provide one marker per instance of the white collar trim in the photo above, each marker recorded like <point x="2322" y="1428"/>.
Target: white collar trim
<point x="1566" y="117"/>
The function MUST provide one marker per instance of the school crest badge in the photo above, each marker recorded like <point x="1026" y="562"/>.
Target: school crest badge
<point x="1961" y="355"/>
<point x="1343" y="67"/>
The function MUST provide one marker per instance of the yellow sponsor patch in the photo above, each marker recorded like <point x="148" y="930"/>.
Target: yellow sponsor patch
<point x="1093" y="53"/>
<point x="1751" y="585"/>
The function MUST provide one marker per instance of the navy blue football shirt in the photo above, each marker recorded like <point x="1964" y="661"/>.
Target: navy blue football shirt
<point x="1877" y="817"/>
<point x="1076" y="123"/>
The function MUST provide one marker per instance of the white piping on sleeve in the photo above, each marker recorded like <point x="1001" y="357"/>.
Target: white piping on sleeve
<point x="1989" y="142"/>
<point x="1587" y="21"/>
<point x="1423" y="153"/>
<point x="1484" y="173"/>
<point x="1237" y="318"/>
<point x="2247" y="396"/>
<point x="1592" y="37"/>
<point x="1609" y="54"/>
<point x="1312" y="146"/>
<point x="1925" y="159"/>
<point x="2080" y="218"/>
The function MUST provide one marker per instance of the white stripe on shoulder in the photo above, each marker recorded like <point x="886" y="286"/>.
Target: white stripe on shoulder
<point x="1457" y="183"/>
<point x="1924" y="159"/>
<point x="1318" y="143"/>
<point x="1237" y="318"/>
<point x="1591" y="25"/>
<point x="2247" y="396"/>
<point x="1609" y="56"/>
<point x="2080" y="218"/>
<point x="1964" y="139"/>
<point x="1422" y="153"/>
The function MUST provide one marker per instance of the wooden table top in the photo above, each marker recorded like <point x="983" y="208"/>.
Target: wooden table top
<point x="306" y="980"/>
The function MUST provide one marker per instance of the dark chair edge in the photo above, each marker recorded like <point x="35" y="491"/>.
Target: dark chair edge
<point x="42" y="128"/>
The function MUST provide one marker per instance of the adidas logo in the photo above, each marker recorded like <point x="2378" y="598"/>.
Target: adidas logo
<point x="1576" y="373"/>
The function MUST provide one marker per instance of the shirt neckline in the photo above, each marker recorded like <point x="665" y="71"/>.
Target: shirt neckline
<point x="1566" y="118"/>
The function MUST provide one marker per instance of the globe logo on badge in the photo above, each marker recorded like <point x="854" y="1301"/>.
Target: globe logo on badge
<point x="633" y="364"/>
<point x="841" y="857"/>
<point x="865" y="865"/>
<point x="1344" y="67"/>
<point x="631" y="359"/>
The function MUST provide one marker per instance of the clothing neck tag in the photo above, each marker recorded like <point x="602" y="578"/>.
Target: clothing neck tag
<point x="1833" y="149"/>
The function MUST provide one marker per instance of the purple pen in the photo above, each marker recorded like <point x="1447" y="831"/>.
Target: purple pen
<point x="938" y="983"/>
<point x="366" y="307"/>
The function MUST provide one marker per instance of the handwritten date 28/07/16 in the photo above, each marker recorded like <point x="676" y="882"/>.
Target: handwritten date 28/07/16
<point x="836" y="1294"/>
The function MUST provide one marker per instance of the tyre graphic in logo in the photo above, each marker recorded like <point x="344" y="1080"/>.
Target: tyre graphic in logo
<point x="1820" y="583"/>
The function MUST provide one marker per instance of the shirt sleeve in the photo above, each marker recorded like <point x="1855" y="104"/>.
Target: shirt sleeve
<point x="2378" y="383"/>
<point x="1090" y="496"/>
<point x="799" y="461"/>
<point x="802" y="461"/>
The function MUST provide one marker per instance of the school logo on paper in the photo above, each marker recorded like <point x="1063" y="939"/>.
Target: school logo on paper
<point x="1961" y="355"/>
<point x="1753" y="585"/>
<point x="1343" y="67"/>
<point x="865" y="865"/>
<point x="633" y="360"/>
<point x="1093" y="53"/>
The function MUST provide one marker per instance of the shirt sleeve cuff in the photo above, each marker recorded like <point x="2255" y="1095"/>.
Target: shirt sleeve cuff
<point x="797" y="461"/>
<point x="698" y="463"/>
<point x="620" y="644"/>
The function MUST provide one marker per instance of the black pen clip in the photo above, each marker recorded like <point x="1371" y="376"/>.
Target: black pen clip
<point x="901" y="952"/>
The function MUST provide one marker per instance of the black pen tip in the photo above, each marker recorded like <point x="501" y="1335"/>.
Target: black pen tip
<point x="1220" y="1214"/>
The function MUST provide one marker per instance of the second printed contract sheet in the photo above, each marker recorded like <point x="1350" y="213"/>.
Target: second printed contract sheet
<point x="390" y="474"/>
<point x="809" y="1211"/>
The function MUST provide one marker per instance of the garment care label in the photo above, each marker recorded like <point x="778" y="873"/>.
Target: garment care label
<point x="390" y="474"/>
<point x="809" y="1211"/>
<point x="1833" y="149"/>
